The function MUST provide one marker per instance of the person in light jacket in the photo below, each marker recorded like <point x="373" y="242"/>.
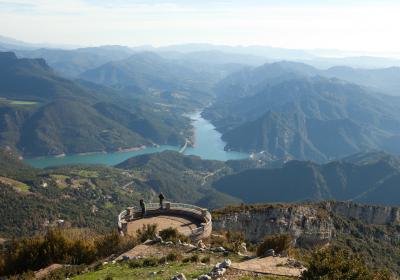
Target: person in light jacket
<point x="143" y="207"/>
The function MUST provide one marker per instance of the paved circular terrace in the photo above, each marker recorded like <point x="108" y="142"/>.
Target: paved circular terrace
<point x="183" y="224"/>
<point x="190" y="220"/>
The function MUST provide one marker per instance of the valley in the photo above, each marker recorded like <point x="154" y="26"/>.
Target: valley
<point x="207" y="145"/>
<point x="296" y="164"/>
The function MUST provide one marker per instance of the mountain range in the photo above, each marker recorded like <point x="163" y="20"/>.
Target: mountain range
<point x="150" y="73"/>
<point x="72" y="62"/>
<point x="288" y="109"/>
<point x="370" y="178"/>
<point x="42" y="113"/>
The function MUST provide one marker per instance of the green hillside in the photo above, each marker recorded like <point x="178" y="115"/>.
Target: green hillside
<point x="92" y="196"/>
<point x="42" y="113"/>
<point x="369" y="181"/>
<point x="182" y="178"/>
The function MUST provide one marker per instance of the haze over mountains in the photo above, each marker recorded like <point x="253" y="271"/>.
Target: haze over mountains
<point x="291" y="109"/>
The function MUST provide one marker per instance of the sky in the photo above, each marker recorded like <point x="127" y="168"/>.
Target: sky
<point x="369" y="26"/>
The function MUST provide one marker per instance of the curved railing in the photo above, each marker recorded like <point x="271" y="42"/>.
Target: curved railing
<point x="200" y="213"/>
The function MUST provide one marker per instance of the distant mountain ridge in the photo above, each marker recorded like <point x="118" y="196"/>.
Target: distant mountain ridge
<point x="284" y="110"/>
<point x="384" y="80"/>
<point x="71" y="63"/>
<point x="351" y="179"/>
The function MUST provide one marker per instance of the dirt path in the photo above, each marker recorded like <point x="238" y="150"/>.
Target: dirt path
<point x="205" y="178"/>
<point x="268" y="265"/>
<point x="45" y="271"/>
<point x="140" y="250"/>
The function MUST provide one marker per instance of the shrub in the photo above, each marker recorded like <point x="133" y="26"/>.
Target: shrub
<point x="150" y="261"/>
<point x="58" y="247"/>
<point x="173" y="256"/>
<point x="65" y="272"/>
<point x="113" y="243"/>
<point x="135" y="263"/>
<point x="332" y="264"/>
<point x="24" y="276"/>
<point x="279" y="243"/>
<point x="172" y="234"/>
<point x="162" y="260"/>
<point x="205" y="259"/>
<point x="235" y="240"/>
<point x="147" y="232"/>
<point x="217" y="240"/>
<point x="193" y="258"/>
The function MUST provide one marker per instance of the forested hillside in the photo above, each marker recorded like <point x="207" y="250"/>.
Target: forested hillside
<point x="42" y="113"/>
<point x="368" y="178"/>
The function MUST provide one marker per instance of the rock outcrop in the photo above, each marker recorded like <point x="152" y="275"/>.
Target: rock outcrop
<point x="308" y="223"/>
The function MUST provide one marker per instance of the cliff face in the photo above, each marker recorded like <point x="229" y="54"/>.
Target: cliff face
<point x="308" y="224"/>
<point x="374" y="215"/>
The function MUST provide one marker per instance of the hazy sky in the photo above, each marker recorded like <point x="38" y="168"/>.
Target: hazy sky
<point x="349" y="25"/>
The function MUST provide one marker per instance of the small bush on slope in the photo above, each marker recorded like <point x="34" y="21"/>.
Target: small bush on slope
<point x="172" y="234"/>
<point x="147" y="232"/>
<point x="279" y="243"/>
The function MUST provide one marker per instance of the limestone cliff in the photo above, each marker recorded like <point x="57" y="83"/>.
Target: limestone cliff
<point x="308" y="223"/>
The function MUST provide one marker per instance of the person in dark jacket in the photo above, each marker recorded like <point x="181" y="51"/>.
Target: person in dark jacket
<point x="161" y="197"/>
<point x="143" y="207"/>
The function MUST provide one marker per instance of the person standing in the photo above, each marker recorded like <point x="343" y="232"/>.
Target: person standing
<point x="161" y="197"/>
<point x="143" y="207"/>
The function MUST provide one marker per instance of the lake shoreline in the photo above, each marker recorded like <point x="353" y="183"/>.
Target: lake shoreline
<point x="205" y="142"/>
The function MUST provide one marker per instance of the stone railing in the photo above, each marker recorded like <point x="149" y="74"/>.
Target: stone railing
<point x="178" y="209"/>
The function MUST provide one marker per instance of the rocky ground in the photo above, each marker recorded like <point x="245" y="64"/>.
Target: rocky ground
<point x="179" y="261"/>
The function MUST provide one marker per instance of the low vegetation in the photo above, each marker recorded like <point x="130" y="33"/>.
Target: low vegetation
<point x="147" y="232"/>
<point x="56" y="246"/>
<point x="278" y="243"/>
<point x="172" y="234"/>
<point x="332" y="264"/>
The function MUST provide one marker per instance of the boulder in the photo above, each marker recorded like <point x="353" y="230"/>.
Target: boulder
<point x="125" y="258"/>
<point x="243" y="247"/>
<point x="218" y="249"/>
<point x="191" y="246"/>
<point x="218" y="273"/>
<point x="201" y="245"/>
<point x="204" y="277"/>
<point x="180" y="276"/>
<point x="269" y="253"/>
<point x="225" y="264"/>
<point x="158" y="239"/>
